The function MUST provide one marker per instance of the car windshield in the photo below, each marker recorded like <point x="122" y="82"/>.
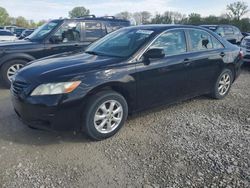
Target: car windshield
<point x="121" y="43"/>
<point x="43" y="30"/>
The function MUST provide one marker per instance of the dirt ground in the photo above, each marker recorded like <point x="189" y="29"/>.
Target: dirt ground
<point x="198" y="143"/>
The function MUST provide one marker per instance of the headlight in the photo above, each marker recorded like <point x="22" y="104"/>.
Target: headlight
<point x="55" y="88"/>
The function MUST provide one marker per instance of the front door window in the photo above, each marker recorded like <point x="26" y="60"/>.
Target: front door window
<point x="68" y="33"/>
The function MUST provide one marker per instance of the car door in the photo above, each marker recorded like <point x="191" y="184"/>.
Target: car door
<point x="204" y="61"/>
<point x="163" y="80"/>
<point x="67" y="38"/>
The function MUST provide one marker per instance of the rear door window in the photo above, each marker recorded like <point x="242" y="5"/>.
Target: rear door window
<point x="200" y="40"/>
<point x="112" y="26"/>
<point x="94" y="30"/>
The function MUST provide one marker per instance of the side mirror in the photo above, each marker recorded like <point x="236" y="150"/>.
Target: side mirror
<point x="154" y="53"/>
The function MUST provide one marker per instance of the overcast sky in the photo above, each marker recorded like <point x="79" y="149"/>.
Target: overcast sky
<point x="49" y="9"/>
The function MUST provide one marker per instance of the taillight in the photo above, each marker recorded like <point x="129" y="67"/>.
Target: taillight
<point x="241" y="54"/>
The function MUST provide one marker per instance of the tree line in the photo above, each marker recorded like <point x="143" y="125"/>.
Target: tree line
<point x="234" y="16"/>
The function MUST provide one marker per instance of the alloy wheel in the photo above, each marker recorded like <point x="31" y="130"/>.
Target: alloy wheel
<point x="13" y="69"/>
<point x="108" y="116"/>
<point x="224" y="84"/>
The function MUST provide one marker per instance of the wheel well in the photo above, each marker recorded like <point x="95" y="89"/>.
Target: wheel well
<point x="119" y="89"/>
<point x="15" y="58"/>
<point x="232" y="68"/>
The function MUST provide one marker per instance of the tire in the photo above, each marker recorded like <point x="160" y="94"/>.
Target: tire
<point x="109" y="124"/>
<point x="218" y="91"/>
<point x="18" y="63"/>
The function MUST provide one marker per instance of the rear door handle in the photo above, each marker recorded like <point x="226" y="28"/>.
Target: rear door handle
<point x="222" y="54"/>
<point x="186" y="62"/>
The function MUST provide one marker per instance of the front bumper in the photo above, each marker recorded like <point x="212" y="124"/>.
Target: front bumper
<point x="48" y="112"/>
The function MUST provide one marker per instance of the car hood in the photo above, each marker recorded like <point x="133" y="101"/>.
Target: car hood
<point x="64" y="67"/>
<point x="15" y="44"/>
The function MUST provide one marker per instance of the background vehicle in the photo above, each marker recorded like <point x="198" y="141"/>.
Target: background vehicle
<point x="26" y="33"/>
<point x="229" y="32"/>
<point x="245" y="45"/>
<point x="245" y="34"/>
<point x="128" y="70"/>
<point x="56" y="36"/>
<point x="10" y="28"/>
<point x="18" y="31"/>
<point x="6" y="35"/>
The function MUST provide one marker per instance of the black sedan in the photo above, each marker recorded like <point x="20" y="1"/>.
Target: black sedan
<point x="126" y="71"/>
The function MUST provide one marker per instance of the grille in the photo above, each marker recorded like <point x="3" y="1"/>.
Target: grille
<point x="18" y="86"/>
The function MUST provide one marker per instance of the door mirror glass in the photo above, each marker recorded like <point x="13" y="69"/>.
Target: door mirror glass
<point x="154" y="53"/>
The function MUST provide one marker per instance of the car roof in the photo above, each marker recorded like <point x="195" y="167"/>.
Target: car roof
<point x="163" y="27"/>
<point x="105" y="18"/>
<point x="217" y="25"/>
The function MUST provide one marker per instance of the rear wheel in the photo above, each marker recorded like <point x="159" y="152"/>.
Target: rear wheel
<point x="223" y="84"/>
<point x="9" y="69"/>
<point x="105" y="114"/>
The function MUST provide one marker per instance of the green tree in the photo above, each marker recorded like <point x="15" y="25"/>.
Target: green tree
<point x="145" y="16"/>
<point x="194" y="19"/>
<point x="78" y="12"/>
<point x="165" y="18"/>
<point x="22" y="22"/>
<point x="4" y="16"/>
<point x="237" y="9"/>
<point x="41" y="22"/>
<point x="211" y="20"/>
<point x="124" y="15"/>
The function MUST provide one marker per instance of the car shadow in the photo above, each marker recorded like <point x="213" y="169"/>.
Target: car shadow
<point x="12" y="130"/>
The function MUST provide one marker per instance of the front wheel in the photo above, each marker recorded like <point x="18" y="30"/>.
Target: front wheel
<point x="9" y="69"/>
<point x="223" y="84"/>
<point x="106" y="112"/>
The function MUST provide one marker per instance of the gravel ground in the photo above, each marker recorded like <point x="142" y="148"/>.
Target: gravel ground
<point x="198" y="143"/>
